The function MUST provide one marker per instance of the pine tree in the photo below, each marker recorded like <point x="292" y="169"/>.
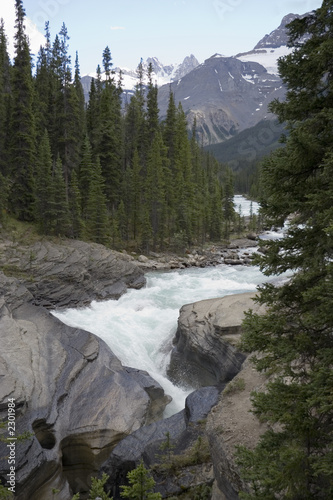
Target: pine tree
<point x="97" y="488"/>
<point x="22" y="130"/>
<point x="93" y="112"/>
<point x="154" y="187"/>
<point x="183" y="177"/>
<point x="152" y="106"/>
<point x="228" y="203"/>
<point x="97" y="224"/>
<point x="135" y="194"/>
<point x="141" y="485"/>
<point x="169" y="134"/>
<point x="5" y="94"/>
<point x="85" y="173"/>
<point x="75" y="211"/>
<point x="60" y="209"/>
<point x="294" y="337"/>
<point x="110" y="145"/>
<point x="44" y="187"/>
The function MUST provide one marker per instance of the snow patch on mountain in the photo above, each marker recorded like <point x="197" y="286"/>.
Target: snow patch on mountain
<point x="268" y="57"/>
<point x="162" y="74"/>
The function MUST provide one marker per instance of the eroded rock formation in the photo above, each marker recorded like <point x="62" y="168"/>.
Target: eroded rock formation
<point x="205" y="351"/>
<point x="70" y="391"/>
<point x="70" y="274"/>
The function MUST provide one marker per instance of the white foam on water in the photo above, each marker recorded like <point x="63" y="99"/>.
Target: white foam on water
<point x="140" y="326"/>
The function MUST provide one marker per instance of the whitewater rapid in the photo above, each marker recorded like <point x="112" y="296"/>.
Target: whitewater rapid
<point x="139" y="327"/>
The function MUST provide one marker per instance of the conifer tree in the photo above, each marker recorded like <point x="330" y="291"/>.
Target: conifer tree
<point x="75" y="210"/>
<point x="183" y="178"/>
<point x="110" y="146"/>
<point x="294" y="458"/>
<point x="169" y="134"/>
<point x="135" y="194"/>
<point x="228" y="202"/>
<point x="152" y="106"/>
<point x="60" y="209"/>
<point x="5" y="94"/>
<point x="85" y="173"/>
<point x="22" y="130"/>
<point x="97" y="224"/>
<point x="93" y="112"/>
<point x="44" y="205"/>
<point x="154" y="192"/>
<point x="141" y="485"/>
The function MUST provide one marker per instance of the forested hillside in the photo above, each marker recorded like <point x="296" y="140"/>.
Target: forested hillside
<point x="97" y="172"/>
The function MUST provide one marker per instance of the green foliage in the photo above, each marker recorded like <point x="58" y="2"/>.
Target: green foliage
<point x="294" y="338"/>
<point x="97" y="488"/>
<point x="236" y="385"/>
<point x="141" y="485"/>
<point x="154" y="186"/>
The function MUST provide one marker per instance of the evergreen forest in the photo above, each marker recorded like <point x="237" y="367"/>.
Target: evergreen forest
<point x="103" y="172"/>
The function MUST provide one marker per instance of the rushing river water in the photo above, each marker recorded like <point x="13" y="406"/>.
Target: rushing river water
<point x="140" y="326"/>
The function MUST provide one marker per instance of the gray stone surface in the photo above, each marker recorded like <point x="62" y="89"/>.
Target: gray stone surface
<point x="204" y="350"/>
<point x="70" y="390"/>
<point x="70" y="274"/>
<point x="184" y="428"/>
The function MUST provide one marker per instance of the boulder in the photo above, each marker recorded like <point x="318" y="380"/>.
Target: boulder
<point x="184" y="429"/>
<point x="70" y="391"/>
<point x="205" y="350"/>
<point x="70" y="274"/>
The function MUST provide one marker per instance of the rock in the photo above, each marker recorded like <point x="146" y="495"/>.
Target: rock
<point x="229" y="424"/>
<point x="143" y="259"/>
<point x="234" y="262"/>
<point x="70" y="391"/>
<point x="71" y="274"/>
<point x="252" y="236"/>
<point x="204" y="350"/>
<point x="184" y="428"/>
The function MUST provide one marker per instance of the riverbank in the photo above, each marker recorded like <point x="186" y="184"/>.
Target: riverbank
<point x="238" y="252"/>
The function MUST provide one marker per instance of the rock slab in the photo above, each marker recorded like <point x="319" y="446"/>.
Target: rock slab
<point x="71" y="274"/>
<point x="205" y="351"/>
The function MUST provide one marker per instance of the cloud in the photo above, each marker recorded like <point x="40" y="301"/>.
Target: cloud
<point x="117" y="28"/>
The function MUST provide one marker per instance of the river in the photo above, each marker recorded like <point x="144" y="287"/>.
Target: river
<point x="140" y="326"/>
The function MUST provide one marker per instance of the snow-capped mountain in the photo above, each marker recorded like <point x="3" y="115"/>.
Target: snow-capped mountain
<point x="271" y="47"/>
<point x="162" y="74"/>
<point x="224" y="94"/>
<point x="229" y="94"/>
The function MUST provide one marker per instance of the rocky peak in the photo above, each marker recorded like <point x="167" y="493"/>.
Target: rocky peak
<point x="279" y="36"/>
<point x="189" y="63"/>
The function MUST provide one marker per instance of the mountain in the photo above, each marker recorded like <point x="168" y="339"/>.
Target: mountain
<point x="225" y="95"/>
<point x="229" y="94"/>
<point x="271" y="46"/>
<point x="162" y="74"/>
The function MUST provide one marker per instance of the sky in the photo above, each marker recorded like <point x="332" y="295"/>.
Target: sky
<point x="167" y="29"/>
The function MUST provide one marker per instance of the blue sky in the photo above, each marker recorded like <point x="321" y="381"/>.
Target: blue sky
<point x="167" y="29"/>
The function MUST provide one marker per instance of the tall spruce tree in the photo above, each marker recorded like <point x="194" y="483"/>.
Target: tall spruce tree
<point x="294" y="458"/>
<point x="44" y="205"/>
<point x="22" y="129"/>
<point x="5" y="94"/>
<point x="110" y="146"/>
<point x="60" y="209"/>
<point x="97" y="224"/>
